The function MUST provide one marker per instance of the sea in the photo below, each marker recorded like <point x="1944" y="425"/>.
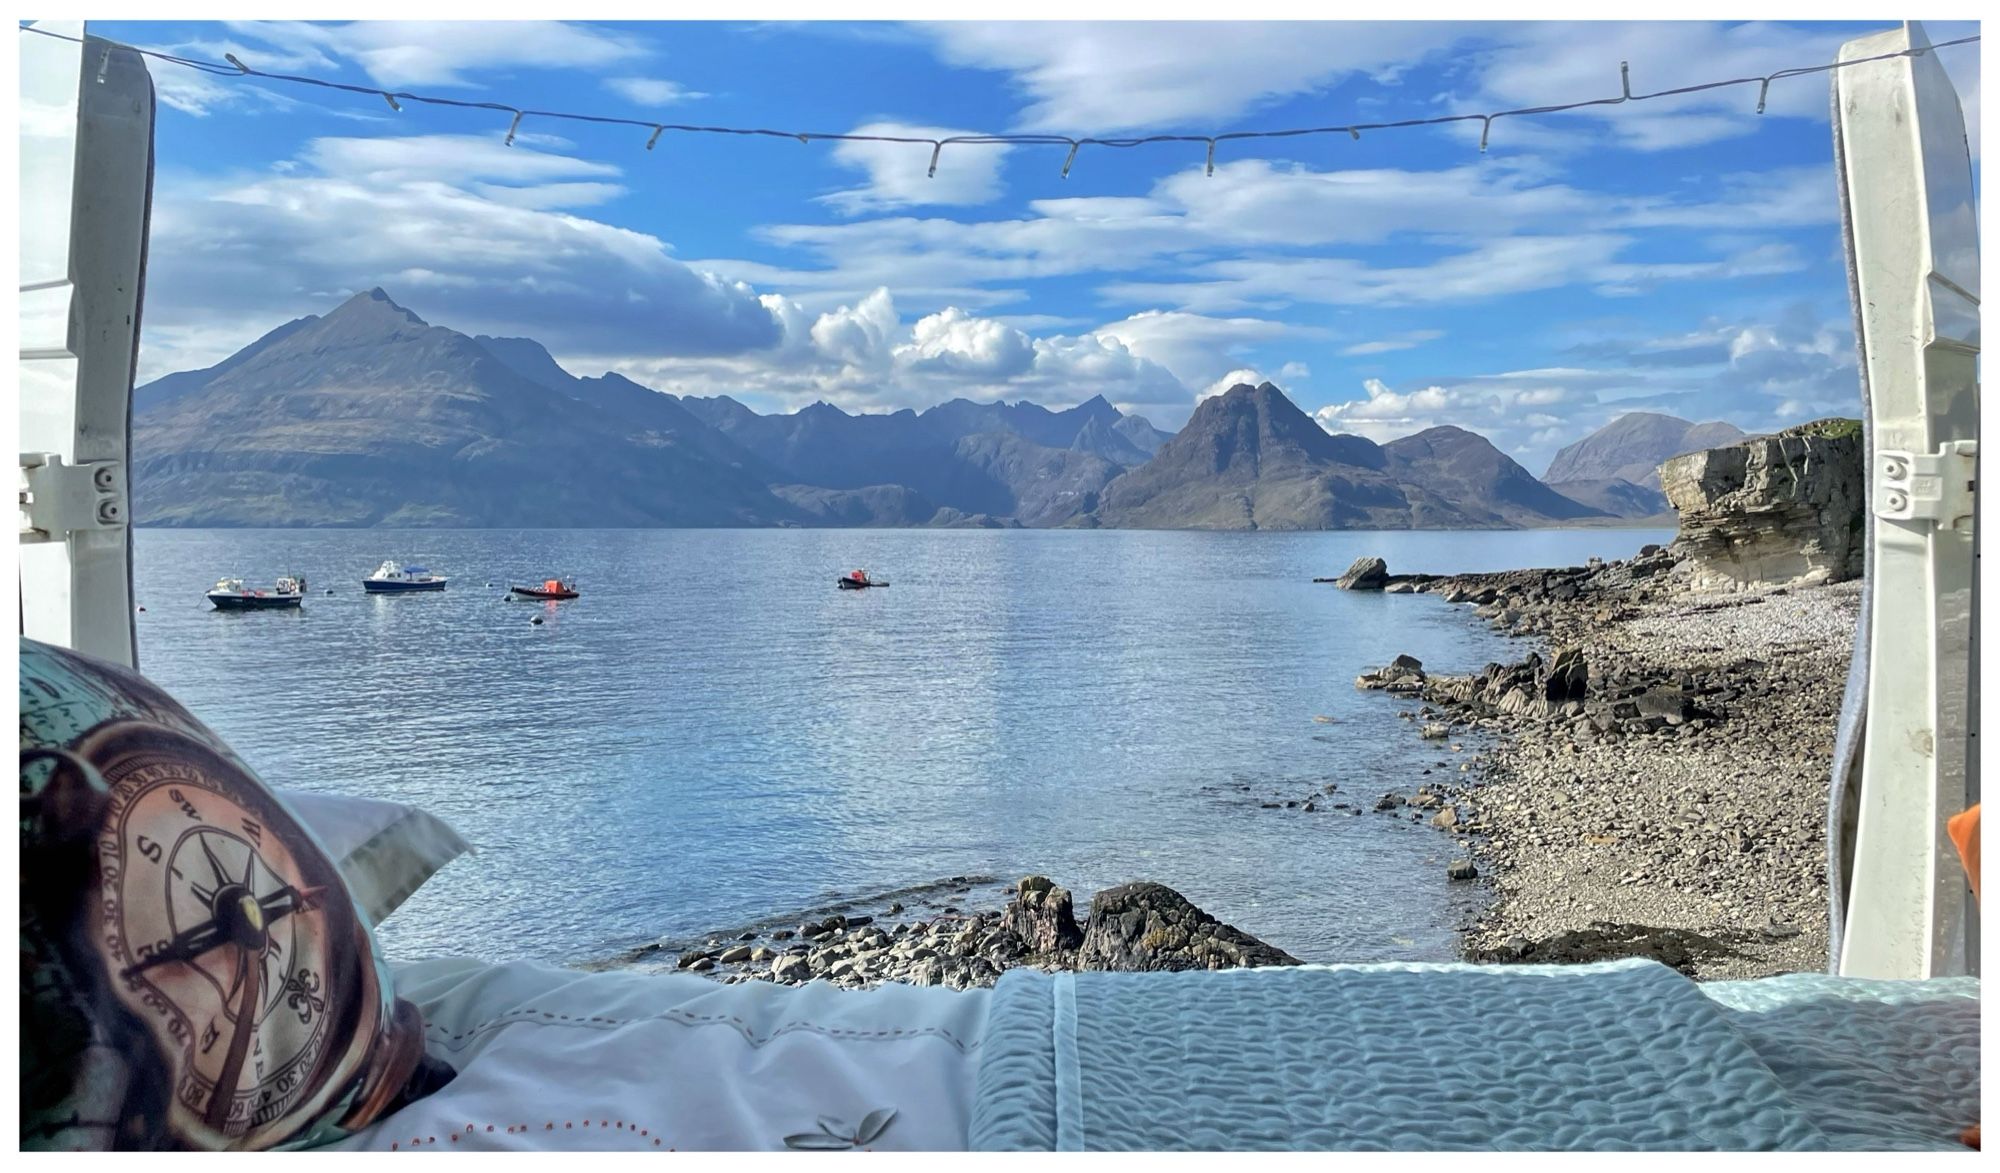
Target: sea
<point x="714" y="739"/>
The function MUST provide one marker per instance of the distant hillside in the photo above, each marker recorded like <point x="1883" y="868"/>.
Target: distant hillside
<point x="1632" y="447"/>
<point x="371" y="416"/>
<point x="1479" y="480"/>
<point x="1616" y="468"/>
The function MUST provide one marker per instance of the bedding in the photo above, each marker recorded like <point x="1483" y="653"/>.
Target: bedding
<point x="384" y="850"/>
<point x="194" y="974"/>
<point x="1621" y="1055"/>
<point x="560" y="1059"/>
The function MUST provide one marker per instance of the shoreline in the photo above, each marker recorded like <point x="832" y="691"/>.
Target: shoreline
<point x="1648" y="781"/>
<point x="1656" y="784"/>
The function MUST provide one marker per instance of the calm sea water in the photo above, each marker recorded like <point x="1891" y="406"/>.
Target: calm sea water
<point x="714" y="736"/>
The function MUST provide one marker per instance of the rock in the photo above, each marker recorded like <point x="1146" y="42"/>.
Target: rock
<point x="1566" y="678"/>
<point x="1367" y="574"/>
<point x="791" y="967"/>
<point x="734" y="955"/>
<point x="1388" y="802"/>
<point x="1152" y="927"/>
<point x="1407" y="663"/>
<point x="688" y="959"/>
<point x="1772" y="510"/>
<point x="1461" y="869"/>
<point x="703" y="965"/>
<point x="762" y="953"/>
<point x="1436" y="730"/>
<point x="1446" y="819"/>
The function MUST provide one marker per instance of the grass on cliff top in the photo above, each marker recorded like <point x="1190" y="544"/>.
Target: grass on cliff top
<point x="1833" y="428"/>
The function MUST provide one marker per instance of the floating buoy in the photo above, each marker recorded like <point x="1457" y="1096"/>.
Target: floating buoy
<point x="142" y="608"/>
<point x="329" y="590"/>
<point x="537" y="621"/>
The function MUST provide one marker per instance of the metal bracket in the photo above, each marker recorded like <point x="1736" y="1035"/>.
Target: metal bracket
<point x="1936" y="487"/>
<point x="59" y="499"/>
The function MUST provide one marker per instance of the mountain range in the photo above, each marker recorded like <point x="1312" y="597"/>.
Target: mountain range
<point x="370" y="416"/>
<point x="1617" y="467"/>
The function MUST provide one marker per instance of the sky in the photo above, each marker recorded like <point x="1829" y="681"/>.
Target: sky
<point x="1680" y="255"/>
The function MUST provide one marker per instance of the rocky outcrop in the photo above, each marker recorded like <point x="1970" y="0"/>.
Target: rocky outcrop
<point x="1772" y="510"/>
<point x="1131" y="927"/>
<point x="1042" y="916"/>
<point x="1367" y="574"/>
<point x="1153" y="927"/>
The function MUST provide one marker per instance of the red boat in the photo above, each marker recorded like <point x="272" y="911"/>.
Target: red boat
<point x="855" y="580"/>
<point x="553" y="588"/>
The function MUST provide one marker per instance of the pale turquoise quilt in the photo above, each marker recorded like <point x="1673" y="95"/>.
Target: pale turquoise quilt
<point x="1621" y="1055"/>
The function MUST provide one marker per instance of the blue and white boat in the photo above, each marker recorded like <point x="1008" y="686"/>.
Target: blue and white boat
<point x="392" y="578"/>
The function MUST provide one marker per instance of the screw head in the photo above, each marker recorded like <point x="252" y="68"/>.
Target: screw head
<point x="1894" y="470"/>
<point x="109" y="513"/>
<point x="1896" y="502"/>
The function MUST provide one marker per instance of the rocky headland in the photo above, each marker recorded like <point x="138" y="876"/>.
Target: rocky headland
<point x="1657" y="779"/>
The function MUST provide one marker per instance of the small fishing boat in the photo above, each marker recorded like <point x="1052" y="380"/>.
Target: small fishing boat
<point x="230" y="594"/>
<point x="554" y="588"/>
<point x="857" y="580"/>
<point x="391" y="578"/>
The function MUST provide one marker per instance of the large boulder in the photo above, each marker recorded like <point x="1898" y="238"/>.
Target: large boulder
<point x="1152" y="927"/>
<point x="1772" y="510"/>
<point x="1367" y="574"/>
<point x="1042" y="916"/>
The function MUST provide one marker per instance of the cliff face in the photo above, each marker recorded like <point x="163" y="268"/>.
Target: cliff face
<point x="1772" y="509"/>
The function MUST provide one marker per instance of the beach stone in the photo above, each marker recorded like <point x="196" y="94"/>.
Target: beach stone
<point x="1367" y="574"/>
<point x="1146" y="926"/>
<point x="734" y="955"/>
<point x="792" y="967"/>
<point x="688" y="959"/>
<point x="1043" y="915"/>
<point x="1461" y="869"/>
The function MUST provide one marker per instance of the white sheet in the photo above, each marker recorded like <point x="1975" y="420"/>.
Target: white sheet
<point x="552" y="1058"/>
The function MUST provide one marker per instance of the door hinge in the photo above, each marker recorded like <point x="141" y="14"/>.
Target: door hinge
<point x="59" y="499"/>
<point x="1936" y="487"/>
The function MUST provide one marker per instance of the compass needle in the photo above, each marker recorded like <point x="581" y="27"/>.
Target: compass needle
<point x="215" y="865"/>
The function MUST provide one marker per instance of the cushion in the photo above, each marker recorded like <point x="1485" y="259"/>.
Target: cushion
<point x="194" y="972"/>
<point x="384" y="850"/>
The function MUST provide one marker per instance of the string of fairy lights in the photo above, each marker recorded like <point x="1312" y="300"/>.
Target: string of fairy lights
<point x="234" y="67"/>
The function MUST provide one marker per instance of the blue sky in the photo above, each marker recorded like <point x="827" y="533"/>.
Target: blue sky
<point x="1679" y="255"/>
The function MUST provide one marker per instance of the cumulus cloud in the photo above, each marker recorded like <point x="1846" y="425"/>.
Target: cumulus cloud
<point x="863" y="357"/>
<point x="1241" y="375"/>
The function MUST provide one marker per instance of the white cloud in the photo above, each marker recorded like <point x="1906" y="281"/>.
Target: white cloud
<point x="1245" y="375"/>
<point x="1099" y="76"/>
<point x="1761" y="375"/>
<point x="487" y="237"/>
<point x="409" y="53"/>
<point x="862" y="357"/>
<point x="1195" y="348"/>
<point x="1408" y="340"/>
<point x="651" y="91"/>
<point x="899" y="173"/>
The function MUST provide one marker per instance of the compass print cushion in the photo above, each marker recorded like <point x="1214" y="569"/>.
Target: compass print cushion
<point x="194" y="974"/>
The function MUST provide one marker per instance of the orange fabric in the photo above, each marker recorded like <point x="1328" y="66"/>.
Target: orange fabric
<point x="1964" y="831"/>
<point x="551" y="586"/>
